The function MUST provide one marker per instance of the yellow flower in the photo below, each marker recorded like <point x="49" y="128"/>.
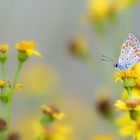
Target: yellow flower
<point x="98" y="9"/>
<point x="2" y="83"/>
<point x="53" y="112"/>
<point x="133" y="104"/>
<point x="39" y="131"/>
<point x="31" y="127"/>
<point x="103" y="137"/>
<point x="128" y="127"/>
<point x="4" y="48"/>
<point x="58" y="132"/>
<point x="34" y="130"/>
<point x="121" y="75"/>
<point x="28" y="47"/>
<point x="135" y="93"/>
<point x="136" y="68"/>
<point x="123" y="4"/>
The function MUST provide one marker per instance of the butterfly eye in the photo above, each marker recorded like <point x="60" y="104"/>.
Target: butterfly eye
<point x="116" y="65"/>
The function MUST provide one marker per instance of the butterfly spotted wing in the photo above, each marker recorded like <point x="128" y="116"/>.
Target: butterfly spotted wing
<point x="130" y="52"/>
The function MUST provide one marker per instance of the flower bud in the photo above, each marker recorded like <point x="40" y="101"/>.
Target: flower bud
<point x="129" y="83"/>
<point x="22" y="56"/>
<point x="4" y="98"/>
<point x="4" y="52"/>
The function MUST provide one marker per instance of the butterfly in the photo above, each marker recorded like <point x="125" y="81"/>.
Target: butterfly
<point x="130" y="53"/>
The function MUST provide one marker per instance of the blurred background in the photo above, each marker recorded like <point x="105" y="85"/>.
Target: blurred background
<point x="72" y="35"/>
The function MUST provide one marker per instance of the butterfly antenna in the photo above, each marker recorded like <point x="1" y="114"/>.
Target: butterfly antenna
<point x="102" y="59"/>
<point x="106" y="58"/>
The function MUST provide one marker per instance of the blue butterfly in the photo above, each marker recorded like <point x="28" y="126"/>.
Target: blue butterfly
<point x="130" y="53"/>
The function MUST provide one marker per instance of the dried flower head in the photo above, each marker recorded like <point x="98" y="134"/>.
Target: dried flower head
<point x="3" y="124"/>
<point x="14" y="136"/>
<point x="104" y="107"/>
<point x="79" y="47"/>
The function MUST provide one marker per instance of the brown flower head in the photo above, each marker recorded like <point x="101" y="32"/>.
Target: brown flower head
<point x="14" y="136"/>
<point x="3" y="124"/>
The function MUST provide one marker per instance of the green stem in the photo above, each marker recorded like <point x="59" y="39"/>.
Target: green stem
<point x="38" y="138"/>
<point x="16" y="75"/>
<point x="10" y="96"/>
<point x="4" y="78"/>
<point x="129" y="93"/>
<point x="135" y="137"/>
<point x="3" y="71"/>
<point x="9" y="112"/>
<point x="3" y="110"/>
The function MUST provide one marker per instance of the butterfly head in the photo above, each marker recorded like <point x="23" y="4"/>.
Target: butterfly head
<point x="117" y="66"/>
<point x="121" y="67"/>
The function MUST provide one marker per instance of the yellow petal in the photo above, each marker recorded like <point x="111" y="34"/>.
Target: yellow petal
<point x="17" y="46"/>
<point x="138" y="135"/>
<point x="37" y="53"/>
<point x="126" y="131"/>
<point x="121" y="105"/>
<point x="2" y="83"/>
<point x="137" y="108"/>
<point x="18" y="86"/>
<point x="29" y="52"/>
<point x="123" y="120"/>
<point x="59" y="116"/>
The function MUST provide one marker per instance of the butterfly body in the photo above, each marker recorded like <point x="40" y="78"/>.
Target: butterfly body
<point x="130" y="53"/>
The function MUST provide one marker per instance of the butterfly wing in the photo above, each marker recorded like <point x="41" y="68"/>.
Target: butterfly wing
<point x="130" y="52"/>
<point x="132" y="39"/>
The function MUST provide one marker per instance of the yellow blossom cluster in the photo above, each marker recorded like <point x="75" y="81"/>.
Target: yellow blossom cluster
<point x="7" y="87"/>
<point x="126" y="74"/>
<point x="129" y="122"/>
<point x="102" y="12"/>
<point x="49" y="128"/>
<point x="101" y="9"/>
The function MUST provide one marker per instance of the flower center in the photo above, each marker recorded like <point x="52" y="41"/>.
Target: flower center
<point x="133" y="103"/>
